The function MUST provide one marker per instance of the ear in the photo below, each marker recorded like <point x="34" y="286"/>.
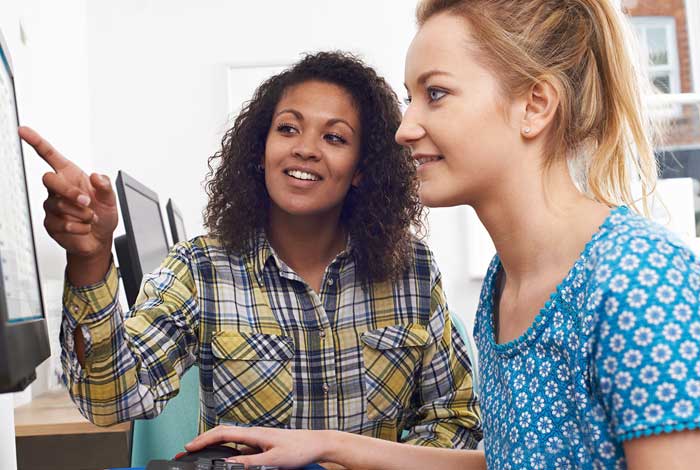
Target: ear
<point x="357" y="177"/>
<point x="541" y="104"/>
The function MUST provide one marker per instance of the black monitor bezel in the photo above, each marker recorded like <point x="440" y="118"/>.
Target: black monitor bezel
<point x="173" y="212"/>
<point x="25" y="342"/>
<point x="123" y="180"/>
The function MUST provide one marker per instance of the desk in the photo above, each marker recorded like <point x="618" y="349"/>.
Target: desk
<point x="52" y="434"/>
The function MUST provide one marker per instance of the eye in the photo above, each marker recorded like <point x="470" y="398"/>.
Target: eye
<point x="435" y="94"/>
<point x="335" y="139"/>
<point x="285" y="128"/>
<point x="407" y="100"/>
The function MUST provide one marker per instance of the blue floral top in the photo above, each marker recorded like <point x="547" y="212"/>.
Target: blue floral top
<point x="613" y="355"/>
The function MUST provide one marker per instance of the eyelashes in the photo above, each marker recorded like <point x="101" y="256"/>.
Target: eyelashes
<point x="289" y="129"/>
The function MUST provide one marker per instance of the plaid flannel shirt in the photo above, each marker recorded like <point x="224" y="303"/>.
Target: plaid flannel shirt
<point x="367" y="358"/>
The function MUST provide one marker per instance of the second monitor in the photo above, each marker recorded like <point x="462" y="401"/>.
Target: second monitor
<point x="145" y="245"/>
<point x="177" y="222"/>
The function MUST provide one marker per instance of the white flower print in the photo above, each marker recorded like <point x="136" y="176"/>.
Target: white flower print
<point x="639" y="245"/>
<point x="692" y="387"/>
<point x="647" y="277"/>
<point x="695" y="330"/>
<point x="678" y="370"/>
<point x="544" y="425"/>
<point x="655" y="315"/>
<point x="666" y="392"/>
<point x="611" y="306"/>
<point x="537" y="461"/>
<point x="603" y="273"/>
<point x="674" y="277"/>
<point x="521" y="400"/>
<point x="665" y="294"/>
<point x="537" y="404"/>
<point x="629" y="262"/>
<point x="607" y="450"/>
<point x="643" y="336"/>
<point x="661" y="353"/>
<point x="683" y="409"/>
<point x="664" y="248"/>
<point x="694" y="281"/>
<point x="558" y="409"/>
<point x="653" y="413"/>
<point x="636" y="298"/>
<point x="629" y="417"/>
<point x="689" y="350"/>
<point x="525" y="419"/>
<point x="682" y="312"/>
<point x="632" y="359"/>
<point x="531" y="440"/>
<point x="689" y="295"/>
<point x="657" y="260"/>
<point x="672" y="332"/>
<point x="626" y="321"/>
<point x="594" y="299"/>
<point x="619" y="283"/>
<point x="617" y="342"/>
<point x="649" y="374"/>
<point x="610" y="365"/>
<point x="623" y="380"/>
<point x="639" y="396"/>
<point x="554" y="445"/>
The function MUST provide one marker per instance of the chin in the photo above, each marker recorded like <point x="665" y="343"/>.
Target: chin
<point x="438" y="197"/>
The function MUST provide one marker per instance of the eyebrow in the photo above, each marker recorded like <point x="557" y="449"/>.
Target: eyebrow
<point x="422" y="78"/>
<point x="330" y="122"/>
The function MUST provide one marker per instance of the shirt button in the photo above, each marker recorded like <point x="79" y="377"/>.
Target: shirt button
<point x="75" y="308"/>
<point x="325" y="388"/>
<point x="330" y="281"/>
<point x="322" y="333"/>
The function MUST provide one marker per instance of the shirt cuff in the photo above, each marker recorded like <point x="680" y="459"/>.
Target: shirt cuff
<point x="92" y="303"/>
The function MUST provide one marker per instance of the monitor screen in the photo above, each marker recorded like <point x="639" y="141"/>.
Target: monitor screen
<point x="24" y="341"/>
<point x="147" y="227"/>
<point x="20" y="279"/>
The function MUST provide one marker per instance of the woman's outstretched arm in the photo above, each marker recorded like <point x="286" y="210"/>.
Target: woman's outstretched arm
<point x="296" y="448"/>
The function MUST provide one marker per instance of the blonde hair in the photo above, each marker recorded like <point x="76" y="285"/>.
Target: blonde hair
<point x="581" y="47"/>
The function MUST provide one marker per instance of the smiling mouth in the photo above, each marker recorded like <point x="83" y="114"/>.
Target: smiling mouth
<point x="423" y="160"/>
<point x="302" y="175"/>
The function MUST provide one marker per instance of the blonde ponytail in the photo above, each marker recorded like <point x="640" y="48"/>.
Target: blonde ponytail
<point x="583" y="47"/>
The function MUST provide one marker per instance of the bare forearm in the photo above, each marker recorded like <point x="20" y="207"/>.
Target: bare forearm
<point x="364" y="453"/>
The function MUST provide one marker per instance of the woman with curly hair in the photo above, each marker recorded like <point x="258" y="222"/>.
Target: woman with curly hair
<point x="309" y="304"/>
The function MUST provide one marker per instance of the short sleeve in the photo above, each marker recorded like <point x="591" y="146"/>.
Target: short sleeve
<point x="646" y="352"/>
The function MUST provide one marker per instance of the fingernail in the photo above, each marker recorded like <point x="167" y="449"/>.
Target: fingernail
<point x="83" y="200"/>
<point x="104" y="180"/>
<point x="95" y="219"/>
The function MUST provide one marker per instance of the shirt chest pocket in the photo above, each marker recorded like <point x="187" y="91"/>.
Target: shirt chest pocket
<point x="252" y="378"/>
<point x="392" y="357"/>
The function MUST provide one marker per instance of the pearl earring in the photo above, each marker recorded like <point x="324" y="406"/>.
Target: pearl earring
<point x="526" y="130"/>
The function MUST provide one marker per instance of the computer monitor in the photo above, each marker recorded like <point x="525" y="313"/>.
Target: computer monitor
<point x="145" y="244"/>
<point x="177" y="222"/>
<point x="24" y="340"/>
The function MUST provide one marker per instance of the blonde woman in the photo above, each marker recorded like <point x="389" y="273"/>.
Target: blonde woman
<point x="588" y="328"/>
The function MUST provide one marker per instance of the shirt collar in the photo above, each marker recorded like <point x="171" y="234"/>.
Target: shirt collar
<point x="262" y="251"/>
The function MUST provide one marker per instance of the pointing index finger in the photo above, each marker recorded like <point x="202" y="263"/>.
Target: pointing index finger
<point x="43" y="148"/>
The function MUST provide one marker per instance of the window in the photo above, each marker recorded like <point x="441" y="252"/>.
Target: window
<point x="657" y="37"/>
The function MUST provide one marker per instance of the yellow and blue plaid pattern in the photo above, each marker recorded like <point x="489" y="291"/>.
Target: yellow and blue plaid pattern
<point x="368" y="358"/>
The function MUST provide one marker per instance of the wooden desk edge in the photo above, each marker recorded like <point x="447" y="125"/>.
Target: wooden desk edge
<point x="53" y="429"/>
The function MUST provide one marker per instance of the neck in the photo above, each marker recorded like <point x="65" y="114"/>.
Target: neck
<point x="539" y="223"/>
<point x="306" y="243"/>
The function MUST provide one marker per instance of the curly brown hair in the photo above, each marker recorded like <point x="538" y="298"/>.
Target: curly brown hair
<point x="379" y="214"/>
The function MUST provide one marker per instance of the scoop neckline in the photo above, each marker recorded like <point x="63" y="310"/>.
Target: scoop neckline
<point x="515" y="345"/>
